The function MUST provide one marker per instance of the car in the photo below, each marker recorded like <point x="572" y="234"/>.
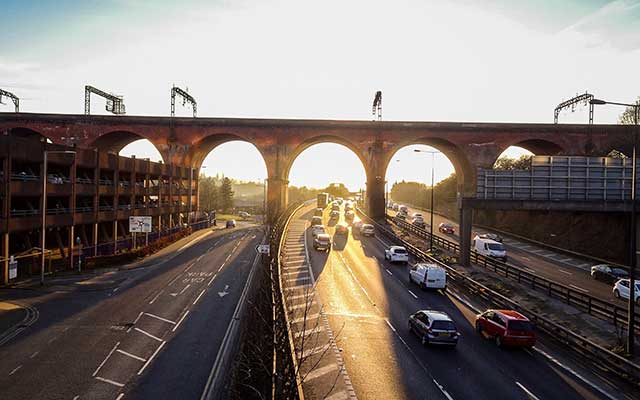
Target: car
<point x="342" y="229"/>
<point x="506" y="327"/>
<point x="621" y="290"/>
<point x="322" y="241"/>
<point x="608" y="273"/>
<point x="428" y="276"/>
<point x="317" y="212"/>
<point x="489" y="248"/>
<point x="434" y="327"/>
<point x="348" y="206"/>
<point x="404" y="209"/>
<point x="395" y="206"/>
<point x="401" y="216"/>
<point x="357" y="223"/>
<point x="316" y="230"/>
<point x="244" y="214"/>
<point x="417" y="215"/>
<point x="335" y="207"/>
<point x="367" y="230"/>
<point x="446" y="227"/>
<point x="396" y="254"/>
<point x="492" y="236"/>
<point x="349" y="215"/>
<point x="231" y="223"/>
<point x="315" y="220"/>
<point x="334" y="214"/>
<point x="419" y="222"/>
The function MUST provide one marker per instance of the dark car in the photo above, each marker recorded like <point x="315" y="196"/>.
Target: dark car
<point x="608" y="273"/>
<point x="506" y="327"/>
<point x="445" y="227"/>
<point x="434" y="327"/>
<point x="231" y="223"/>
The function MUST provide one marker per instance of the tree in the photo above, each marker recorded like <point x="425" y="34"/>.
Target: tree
<point x="208" y="193"/>
<point x="508" y="163"/>
<point x="337" y="190"/>
<point x="627" y="117"/>
<point x="226" y="195"/>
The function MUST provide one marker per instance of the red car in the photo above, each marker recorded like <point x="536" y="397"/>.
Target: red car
<point x="446" y="228"/>
<point x="506" y="327"/>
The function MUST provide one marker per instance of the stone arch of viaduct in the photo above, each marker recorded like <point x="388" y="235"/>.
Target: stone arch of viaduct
<point x="187" y="141"/>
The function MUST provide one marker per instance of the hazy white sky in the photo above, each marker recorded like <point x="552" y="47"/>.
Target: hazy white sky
<point x="492" y="60"/>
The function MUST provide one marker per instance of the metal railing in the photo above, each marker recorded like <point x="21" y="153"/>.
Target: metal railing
<point x="597" y="307"/>
<point x="601" y="357"/>
<point x="24" y="177"/>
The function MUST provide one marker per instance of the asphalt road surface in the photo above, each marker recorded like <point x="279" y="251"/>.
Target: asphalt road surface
<point x="153" y="333"/>
<point x="535" y="259"/>
<point x="367" y="302"/>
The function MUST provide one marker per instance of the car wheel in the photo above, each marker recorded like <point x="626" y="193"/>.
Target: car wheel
<point x="478" y="328"/>
<point x="616" y="293"/>
<point x="498" y="341"/>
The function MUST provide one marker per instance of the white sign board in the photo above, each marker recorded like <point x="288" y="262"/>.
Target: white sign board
<point x="140" y="224"/>
<point x="263" y="249"/>
<point x="13" y="268"/>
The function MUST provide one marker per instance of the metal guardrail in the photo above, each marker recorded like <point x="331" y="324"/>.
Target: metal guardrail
<point x="601" y="357"/>
<point x="591" y="305"/>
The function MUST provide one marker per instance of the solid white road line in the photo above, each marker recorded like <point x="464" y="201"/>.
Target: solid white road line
<point x="156" y="297"/>
<point x="527" y="391"/>
<point x="160" y="318"/>
<point x="211" y="280"/>
<point x="174" y="279"/>
<point x="118" y="384"/>
<point x="198" y="298"/>
<point x="105" y="360"/>
<point x="180" y="321"/>
<point x="151" y="358"/>
<point x="148" y="334"/>
<point x="131" y="355"/>
<point x="579" y="288"/>
<point x="185" y="288"/>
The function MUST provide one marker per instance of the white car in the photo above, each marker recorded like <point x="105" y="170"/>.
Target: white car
<point x="244" y="214"/>
<point x="317" y="230"/>
<point x="417" y="215"/>
<point x="367" y="230"/>
<point x="621" y="290"/>
<point x="396" y="254"/>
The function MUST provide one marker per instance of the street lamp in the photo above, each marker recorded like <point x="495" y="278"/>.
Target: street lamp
<point x="433" y="155"/>
<point x="633" y="233"/>
<point x="44" y="207"/>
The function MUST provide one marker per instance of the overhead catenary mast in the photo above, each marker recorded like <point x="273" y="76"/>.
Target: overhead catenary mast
<point x="571" y="103"/>
<point x="16" y="100"/>
<point x="115" y="104"/>
<point x="376" y="110"/>
<point x="186" y="98"/>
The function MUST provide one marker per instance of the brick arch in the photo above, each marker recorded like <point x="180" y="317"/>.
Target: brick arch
<point x="291" y="158"/>
<point x="114" y="141"/>
<point x="201" y="149"/>
<point x="464" y="169"/>
<point x="539" y="146"/>
<point x="26" y="132"/>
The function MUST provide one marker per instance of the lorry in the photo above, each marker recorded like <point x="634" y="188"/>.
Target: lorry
<point x="323" y="200"/>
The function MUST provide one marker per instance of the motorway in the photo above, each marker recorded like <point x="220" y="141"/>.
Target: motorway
<point x="145" y="333"/>
<point x="367" y="301"/>
<point x="535" y="259"/>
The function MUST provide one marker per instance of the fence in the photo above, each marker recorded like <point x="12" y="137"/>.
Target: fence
<point x="591" y="305"/>
<point x="601" y="357"/>
<point x="558" y="178"/>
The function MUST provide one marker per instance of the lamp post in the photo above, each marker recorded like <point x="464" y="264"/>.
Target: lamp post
<point x="433" y="156"/>
<point x="633" y="232"/>
<point x="44" y="207"/>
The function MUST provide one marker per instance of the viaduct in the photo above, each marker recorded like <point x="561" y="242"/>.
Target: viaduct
<point x="185" y="142"/>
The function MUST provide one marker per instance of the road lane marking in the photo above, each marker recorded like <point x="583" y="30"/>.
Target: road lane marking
<point x="221" y="266"/>
<point x="174" y="279"/>
<point x="565" y="272"/>
<point x="138" y="317"/>
<point x="318" y="372"/>
<point x="565" y="260"/>
<point x="34" y="354"/>
<point x="189" y="267"/>
<point x="413" y="294"/>
<point x="198" y="298"/>
<point x="388" y="272"/>
<point x="105" y="360"/>
<point x="65" y="329"/>
<point x="131" y="355"/>
<point x="160" y="318"/>
<point x="315" y="350"/>
<point x="77" y="397"/>
<point x="382" y="241"/>
<point x="156" y="297"/>
<point x="301" y="305"/>
<point x="118" y="384"/>
<point x="211" y="280"/>
<point x="302" y="278"/>
<point x="15" y="370"/>
<point x="524" y="389"/>
<point x="307" y="332"/>
<point x="579" y="288"/>
<point x="151" y="358"/>
<point x="180" y="321"/>
<point x="52" y="340"/>
<point x="304" y="318"/>
<point x="148" y="334"/>
<point x="120" y="396"/>
<point x="199" y="258"/>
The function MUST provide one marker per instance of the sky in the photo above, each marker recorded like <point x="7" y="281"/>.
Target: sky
<point x="465" y="60"/>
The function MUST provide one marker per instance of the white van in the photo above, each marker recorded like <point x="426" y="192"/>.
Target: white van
<point x="489" y="248"/>
<point x="430" y="276"/>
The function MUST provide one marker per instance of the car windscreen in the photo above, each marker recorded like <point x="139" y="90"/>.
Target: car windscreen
<point x="400" y="251"/>
<point x="517" y="325"/>
<point x="495" y="246"/>
<point x="619" y="272"/>
<point x="443" y="325"/>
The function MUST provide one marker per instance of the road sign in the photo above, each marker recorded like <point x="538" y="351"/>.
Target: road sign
<point x="140" y="224"/>
<point x="262" y="249"/>
<point x="13" y="268"/>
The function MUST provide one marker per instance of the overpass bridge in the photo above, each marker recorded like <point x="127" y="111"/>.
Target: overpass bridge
<point x="185" y="142"/>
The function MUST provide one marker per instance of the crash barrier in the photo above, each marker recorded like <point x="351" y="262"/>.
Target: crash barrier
<point x="601" y="357"/>
<point x="599" y="308"/>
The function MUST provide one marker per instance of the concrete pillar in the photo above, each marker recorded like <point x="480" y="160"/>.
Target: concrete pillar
<point x="277" y="197"/>
<point x="5" y="254"/>
<point x="466" y="223"/>
<point x="374" y="197"/>
<point x="71" y="245"/>
<point x="115" y="236"/>
<point x="95" y="239"/>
